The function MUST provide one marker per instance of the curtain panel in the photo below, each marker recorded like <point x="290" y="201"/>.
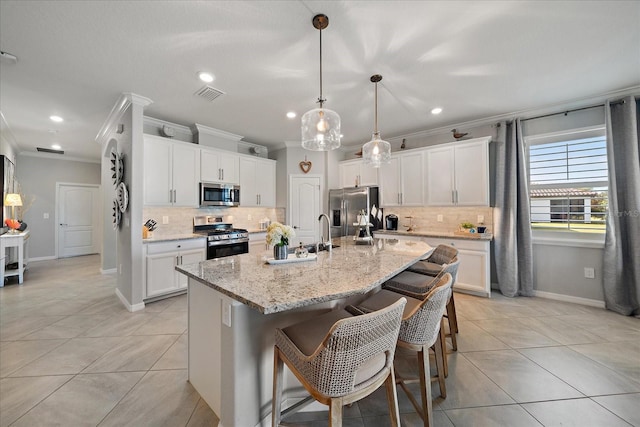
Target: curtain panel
<point x="512" y="228"/>
<point x="621" y="266"/>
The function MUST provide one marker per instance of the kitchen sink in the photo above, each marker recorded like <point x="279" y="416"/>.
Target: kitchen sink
<point x="312" y="248"/>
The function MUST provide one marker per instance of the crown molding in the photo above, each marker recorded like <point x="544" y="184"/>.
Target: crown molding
<point x="157" y="122"/>
<point x="215" y="132"/>
<point x="124" y="101"/>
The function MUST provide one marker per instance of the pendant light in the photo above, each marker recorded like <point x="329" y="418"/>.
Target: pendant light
<point x="376" y="151"/>
<point x="320" y="126"/>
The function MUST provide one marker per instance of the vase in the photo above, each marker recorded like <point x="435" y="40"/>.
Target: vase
<point x="280" y="251"/>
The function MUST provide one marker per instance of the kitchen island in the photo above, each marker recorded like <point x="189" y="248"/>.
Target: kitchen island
<point x="235" y="304"/>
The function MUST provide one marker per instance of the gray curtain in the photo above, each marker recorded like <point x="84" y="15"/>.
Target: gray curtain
<point x="512" y="227"/>
<point x="621" y="267"/>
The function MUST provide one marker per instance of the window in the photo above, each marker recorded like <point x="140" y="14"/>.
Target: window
<point x="568" y="180"/>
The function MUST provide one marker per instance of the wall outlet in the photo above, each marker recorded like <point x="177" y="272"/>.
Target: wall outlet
<point x="249" y="217"/>
<point x="45" y="215"/>
<point x="589" y="273"/>
<point x="226" y="313"/>
<point x="165" y="219"/>
<point x="440" y="219"/>
<point x="480" y="219"/>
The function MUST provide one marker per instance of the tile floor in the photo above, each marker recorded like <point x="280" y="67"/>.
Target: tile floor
<point x="71" y="355"/>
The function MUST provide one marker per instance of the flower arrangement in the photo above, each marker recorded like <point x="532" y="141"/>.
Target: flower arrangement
<point x="279" y="235"/>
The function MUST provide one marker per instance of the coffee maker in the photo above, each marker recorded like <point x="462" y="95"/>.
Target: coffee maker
<point x="391" y="222"/>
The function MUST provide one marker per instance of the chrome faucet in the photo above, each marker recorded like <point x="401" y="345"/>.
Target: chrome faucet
<point x="328" y="244"/>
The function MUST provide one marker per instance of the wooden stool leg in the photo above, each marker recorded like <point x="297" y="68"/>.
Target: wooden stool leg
<point x="453" y="310"/>
<point x="443" y="344"/>
<point x="425" y="386"/>
<point x="392" y="399"/>
<point x="440" y="357"/>
<point x="335" y="412"/>
<point x="453" y="324"/>
<point x="276" y="400"/>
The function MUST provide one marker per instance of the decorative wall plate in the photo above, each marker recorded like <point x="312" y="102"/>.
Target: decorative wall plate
<point x="117" y="167"/>
<point x="122" y="196"/>
<point x="117" y="216"/>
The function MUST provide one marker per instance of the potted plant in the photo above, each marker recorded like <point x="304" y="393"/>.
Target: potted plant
<point x="279" y="235"/>
<point x="467" y="227"/>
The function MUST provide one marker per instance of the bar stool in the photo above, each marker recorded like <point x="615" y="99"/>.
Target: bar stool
<point x="419" y="331"/>
<point x="340" y="358"/>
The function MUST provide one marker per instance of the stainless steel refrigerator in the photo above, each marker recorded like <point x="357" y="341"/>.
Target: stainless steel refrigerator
<point x="345" y="205"/>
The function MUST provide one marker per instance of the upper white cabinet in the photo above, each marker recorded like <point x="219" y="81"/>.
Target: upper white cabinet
<point x="354" y="173"/>
<point x="402" y="181"/>
<point x="171" y="172"/>
<point x="257" y="182"/>
<point x="458" y="174"/>
<point x="219" y="166"/>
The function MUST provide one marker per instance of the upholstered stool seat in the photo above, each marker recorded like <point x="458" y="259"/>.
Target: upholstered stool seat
<point x="340" y="358"/>
<point x="440" y="257"/>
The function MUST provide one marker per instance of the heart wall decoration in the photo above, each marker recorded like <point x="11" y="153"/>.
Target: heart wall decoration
<point x="305" y="165"/>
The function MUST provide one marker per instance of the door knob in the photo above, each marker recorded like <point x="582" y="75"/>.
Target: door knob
<point x="64" y="225"/>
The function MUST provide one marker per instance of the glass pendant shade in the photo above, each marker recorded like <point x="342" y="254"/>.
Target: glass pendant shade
<point x="376" y="152"/>
<point x="320" y="130"/>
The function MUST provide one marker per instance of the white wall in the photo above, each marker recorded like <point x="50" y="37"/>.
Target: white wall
<point x="38" y="177"/>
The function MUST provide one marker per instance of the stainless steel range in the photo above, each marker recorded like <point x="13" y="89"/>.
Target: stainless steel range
<point x="222" y="239"/>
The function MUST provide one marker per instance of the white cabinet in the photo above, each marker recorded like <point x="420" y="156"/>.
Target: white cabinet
<point x="219" y="166"/>
<point x="458" y="174"/>
<point x="257" y="182"/>
<point x="171" y="172"/>
<point x="354" y="173"/>
<point x="402" y="181"/>
<point x="161" y="260"/>
<point x="258" y="243"/>
<point x="473" y="271"/>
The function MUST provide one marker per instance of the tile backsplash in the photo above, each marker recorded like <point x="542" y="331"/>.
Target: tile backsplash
<point x="181" y="219"/>
<point x="426" y="218"/>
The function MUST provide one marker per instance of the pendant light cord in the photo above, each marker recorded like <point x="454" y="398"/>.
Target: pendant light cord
<point x="375" y="125"/>
<point x="320" y="100"/>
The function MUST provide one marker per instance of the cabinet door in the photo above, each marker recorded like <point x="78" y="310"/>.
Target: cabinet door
<point x="186" y="175"/>
<point x="209" y="169"/>
<point x="390" y="183"/>
<point x="349" y="174"/>
<point x="472" y="175"/>
<point x="265" y="183"/>
<point x="439" y="166"/>
<point x="229" y="165"/>
<point x="412" y="179"/>
<point x="188" y="257"/>
<point x="472" y="272"/>
<point x="161" y="274"/>
<point x="368" y="174"/>
<point x="157" y="172"/>
<point x="248" y="188"/>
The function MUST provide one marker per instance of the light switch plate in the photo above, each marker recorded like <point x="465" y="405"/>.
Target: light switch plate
<point x="480" y="219"/>
<point x="165" y="219"/>
<point x="589" y="273"/>
<point x="440" y="219"/>
<point x="226" y="313"/>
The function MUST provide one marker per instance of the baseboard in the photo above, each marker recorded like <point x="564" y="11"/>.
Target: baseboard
<point x="128" y="306"/>
<point x="108" y="271"/>
<point x="569" y="298"/>
<point x="42" y="258"/>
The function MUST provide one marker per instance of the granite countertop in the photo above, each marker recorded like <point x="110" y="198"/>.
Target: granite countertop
<point x="349" y="270"/>
<point x="448" y="235"/>
<point x="171" y="237"/>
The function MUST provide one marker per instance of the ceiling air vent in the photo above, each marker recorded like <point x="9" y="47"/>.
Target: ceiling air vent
<point x="48" y="150"/>
<point x="209" y="93"/>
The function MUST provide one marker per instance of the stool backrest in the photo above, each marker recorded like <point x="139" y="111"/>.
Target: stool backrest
<point x="443" y="254"/>
<point x="423" y="324"/>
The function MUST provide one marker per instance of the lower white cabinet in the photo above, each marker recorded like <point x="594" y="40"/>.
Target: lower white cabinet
<point x="474" y="255"/>
<point x="161" y="259"/>
<point x="257" y="242"/>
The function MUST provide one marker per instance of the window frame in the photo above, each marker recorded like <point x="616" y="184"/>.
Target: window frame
<point x="546" y="233"/>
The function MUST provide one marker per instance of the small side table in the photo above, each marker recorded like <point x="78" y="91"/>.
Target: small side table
<point x="19" y="241"/>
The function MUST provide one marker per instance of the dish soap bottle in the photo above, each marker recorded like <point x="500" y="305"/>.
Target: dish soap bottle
<point x="301" y="251"/>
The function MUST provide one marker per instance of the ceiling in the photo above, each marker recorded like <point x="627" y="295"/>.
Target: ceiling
<point x="474" y="59"/>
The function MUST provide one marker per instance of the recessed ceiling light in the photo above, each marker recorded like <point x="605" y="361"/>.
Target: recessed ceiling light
<point x="56" y="146"/>
<point x="205" y="77"/>
<point x="291" y="114"/>
<point x="437" y="110"/>
<point x="56" y="119"/>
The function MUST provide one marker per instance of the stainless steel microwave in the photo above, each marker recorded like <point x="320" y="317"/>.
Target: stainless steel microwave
<point x="213" y="194"/>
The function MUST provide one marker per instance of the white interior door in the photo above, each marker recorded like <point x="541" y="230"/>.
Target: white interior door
<point x="304" y="202"/>
<point x="78" y="218"/>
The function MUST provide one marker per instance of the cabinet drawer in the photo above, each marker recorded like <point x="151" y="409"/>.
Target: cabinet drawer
<point x="175" y="246"/>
